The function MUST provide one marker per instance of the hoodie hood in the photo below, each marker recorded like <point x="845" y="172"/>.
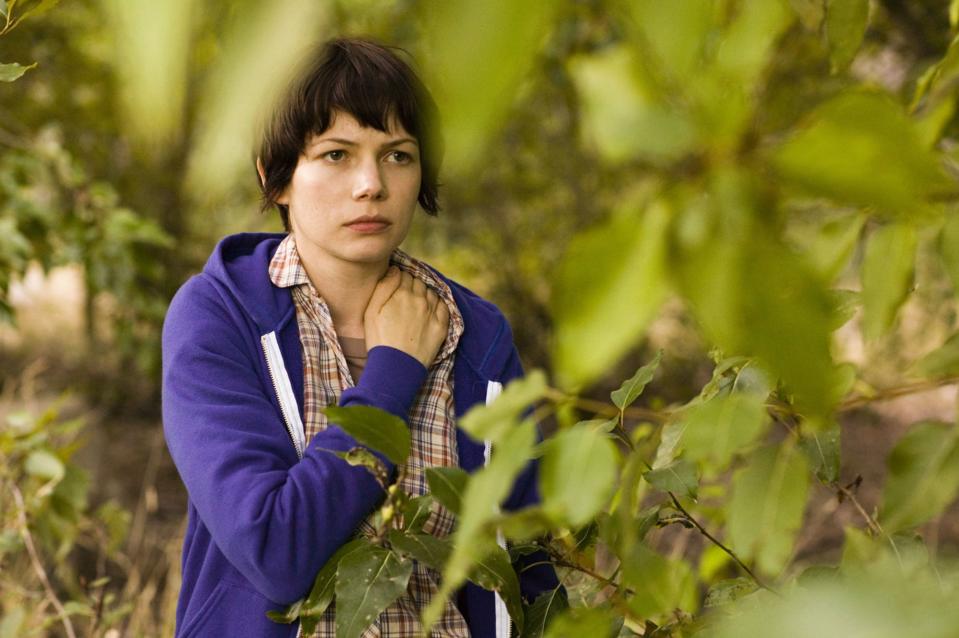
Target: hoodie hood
<point x="240" y="265"/>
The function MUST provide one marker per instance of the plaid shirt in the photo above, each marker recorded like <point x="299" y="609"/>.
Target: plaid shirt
<point x="432" y="426"/>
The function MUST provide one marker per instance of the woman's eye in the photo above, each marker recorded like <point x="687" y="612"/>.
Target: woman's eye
<point x="400" y="157"/>
<point x="334" y="156"/>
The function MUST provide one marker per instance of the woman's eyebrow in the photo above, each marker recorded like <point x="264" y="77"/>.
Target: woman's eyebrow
<point x="345" y="142"/>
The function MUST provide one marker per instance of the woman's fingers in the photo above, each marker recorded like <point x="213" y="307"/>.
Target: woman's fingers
<point x="385" y="288"/>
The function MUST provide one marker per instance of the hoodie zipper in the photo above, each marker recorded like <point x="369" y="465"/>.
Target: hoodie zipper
<point x="503" y="623"/>
<point x="284" y="391"/>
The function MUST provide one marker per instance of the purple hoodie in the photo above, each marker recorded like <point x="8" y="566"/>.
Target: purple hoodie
<point x="264" y="515"/>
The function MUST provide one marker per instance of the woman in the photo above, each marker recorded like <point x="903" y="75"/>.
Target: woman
<point x="331" y="313"/>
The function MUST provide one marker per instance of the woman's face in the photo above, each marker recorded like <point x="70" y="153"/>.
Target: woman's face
<point x="347" y="174"/>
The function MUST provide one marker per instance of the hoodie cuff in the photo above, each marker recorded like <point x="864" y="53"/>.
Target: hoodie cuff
<point x="390" y="381"/>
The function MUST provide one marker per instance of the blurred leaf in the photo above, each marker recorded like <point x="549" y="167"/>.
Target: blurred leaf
<point x="766" y="507"/>
<point x="749" y="38"/>
<point x="261" y="49"/>
<point x="674" y="32"/>
<point x="721" y="427"/>
<point x="660" y="585"/>
<point x="846" y="22"/>
<point x="447" y="485"/>
<point x="954" y="13"/>
<point x="810" y="12"/>
<point x="151" y="55"/>
<point x="577" y="622"/>
<point x="634" y="386"/>
<point x="426" y="548"/>
<point x="45" y="465"/>
<point x="678" y="477"/>
<point x="494" y="572"/>
<point x="362" y="457"/>
<point x="13" y="71"/>
<point x="727" y="591"/>
<point x="822" y="450"/>
<point x="10" y="626"/>
<point x="949" y="248"/>
<point x="495" y="420"/>
<point x="613" y="274"/>
<point x="497" y="41"/>
<point x="940" y="363"/>
<point x="886" y="275"/>
<point x="527" y="523"/>
<point x="832" y="243"/>
<point x="577" y="474"/>
<point x="543" y="611"/>
<point x="368" y="581"/>
<point x="374" y="428"/>
<point x="859" y="147"/>
<point x="117" y="521"/>
<point x="923" y="476"/>
<point x="633" y="125"/>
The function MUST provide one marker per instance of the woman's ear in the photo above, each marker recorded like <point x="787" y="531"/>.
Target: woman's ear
<point x="261" y="171"/>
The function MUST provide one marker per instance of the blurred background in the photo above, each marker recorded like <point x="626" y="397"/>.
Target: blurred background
<point x="602" y="158"/>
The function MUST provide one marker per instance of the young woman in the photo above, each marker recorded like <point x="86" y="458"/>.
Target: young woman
<point x="277" y="326"/>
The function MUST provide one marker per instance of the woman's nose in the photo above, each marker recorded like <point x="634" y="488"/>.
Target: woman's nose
<point x="368" y="182"/>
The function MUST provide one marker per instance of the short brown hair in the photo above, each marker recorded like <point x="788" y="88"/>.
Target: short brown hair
<point x="370" y="82"/>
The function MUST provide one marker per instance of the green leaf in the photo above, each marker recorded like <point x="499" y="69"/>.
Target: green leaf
<point x="13" y="71"/>
<point x="832" y="244"/>
<point x="577" y="474"/>
<point x="725" y="425"/>
<point x="634" y="386"/>
<point x="673" y="32"/>
<point x="634" y="125"/>
<point x="321" y="594"/>
<point x="810" y="12"/>
<point x="541" y="613"/>
<point x="942" y="362"/>
<point x="374" y="428"/>
<point x="846" y="22"/>
<point x="447" y="485"/>
<point x="494" y="572"/>
<point x="954" y="13"/>
<point x="949" y="248"/>
<point x="493" y="421"/>
<point x="678" y="477"/>
<point x="45" y="465"/>
<point x="578" y="622"/>
<point x="613" y="274"/>
<point x="362" y="457"/>
<point x="10" y="626"/>
<point x="836" y="154"/>
<point x="886" y="275"/>
<point x="416" y="511"/>
<point x="368" y="581"/>
<point x="923" y="476"/>
<point x="426" y="548"/>
<point x="822" y="450"/>
<point x="659" y="585"/>
<point x="527" y="523"/>
<point x="766" y="506"/>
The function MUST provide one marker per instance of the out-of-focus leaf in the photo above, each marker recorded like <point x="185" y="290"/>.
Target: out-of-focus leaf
<point x="660" y="585"/>
<point x="923" y="476"/>
<point x="544" y="609"/>
<point x="152" y="49"/>
<point x="721" y="427"/>
<point x="749" y="39"/>
<point x="954" y="13"/>
<point x="634" y="125"/>
<point x="45" y="465"/>
<point x="810" y="12"/>
<point x="678" y="477"/>
<point x="634" y="386"/>
<point x="426" y="548"/>
<point x="577" y="622"/>
<point x="576" y="474"/>
<point x="368" y="580"/>
<point x="10" y="626"/>
<point x="261" y="49"/>
<point x="374" y="428"/>
<point x="766" y="507"/>
<point x="13" y="71"/>
<point x="838" y="151"/>
<point x="828" y="246"/>
<point x="362" y="457"/>
<point x="886" y="275"/>
<point x="613" y="274"/>
<point x="673" y="32"/>
<point x="487" y="488"/>
<point x="447" y="485"/>
<point x="822" y="450"/>
<point x="494" y="572"/>
<point x="497" y="41"/>
<point x="941" y="362"/>
<point x="493" y="421"/>
<point x="846" y="22"/>
<point x="727" y="591"/>
<point x="527" y="523"/>
<point x="949" y="248"/>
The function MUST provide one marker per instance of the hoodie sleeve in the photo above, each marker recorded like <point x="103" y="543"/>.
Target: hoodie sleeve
<point x="276" y="518"/>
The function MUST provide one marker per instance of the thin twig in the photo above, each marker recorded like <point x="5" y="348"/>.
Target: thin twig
<point x="870" y="520"/>
<point x="600" y="408"/>
<point x="35" y="560"/>
<point x="895" y="392"/>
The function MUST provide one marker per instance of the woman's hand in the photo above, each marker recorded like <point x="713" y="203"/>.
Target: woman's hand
<point x="405" y="314"/>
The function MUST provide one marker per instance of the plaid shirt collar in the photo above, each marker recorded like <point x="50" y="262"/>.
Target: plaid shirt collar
<point x="287" y="271"/>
